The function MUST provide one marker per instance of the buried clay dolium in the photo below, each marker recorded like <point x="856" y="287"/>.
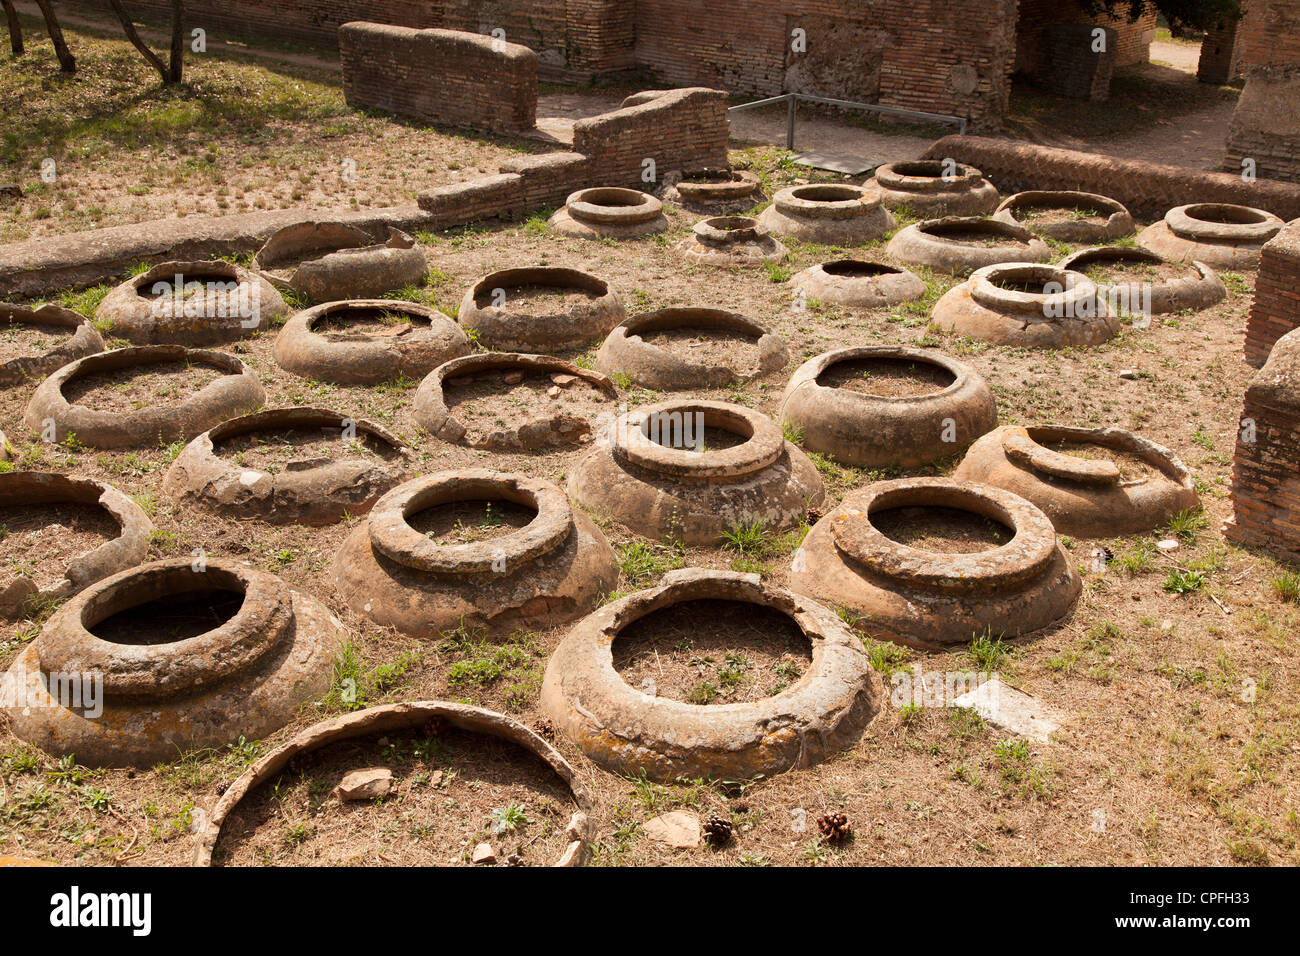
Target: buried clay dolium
<point x="928" y="598"/>
<point x="1067" y="216"/>
<point x="235" y="389"/>
<point x="360" y="461"/>
<point x="539" y="310"/>
<point x="169" y="657"/>
<point x="609" y="212"/>
<point x="878" y="407"/>
<point x="77" y="338"/>
<point x="731" y="242"/>
<point x="31" y="489"/>
<point x="691" y="470"/>
<point x="1221" y="235"/>
<point x="827" y="213"/>
<point x="857" y="284"/>
<point x="928" y="188"/>
<point x="533" y="562"/>
<point x="629" y="731"/>
<point x="959" y="245"/>
<point x="333" y="261"/>
<point x="1118" y="484"/>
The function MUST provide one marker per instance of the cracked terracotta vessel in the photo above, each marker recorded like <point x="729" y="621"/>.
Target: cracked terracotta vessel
<point x="333" y="261"/>
<point x="80" y="339"/>
<point x="550" y="571"/>
<point x="1198" y="289"/>
<point x="628" y="731"/>
<point x="1083" y="497"/>
<point x="929" y="599"/>
<point x="247" y="677"/>
<point x="676" y="491"/>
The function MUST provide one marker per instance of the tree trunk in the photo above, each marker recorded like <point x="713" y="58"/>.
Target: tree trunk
<point x="67" y="62"/>
<point x="15" y="28"/>
<point x="139" y="44"/>
<point x="178" y="40"/>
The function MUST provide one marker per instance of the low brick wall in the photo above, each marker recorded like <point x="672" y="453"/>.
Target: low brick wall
<point x="439" y="76"/>
<point x="1148" y="189"/>
<point x="1276" y="310"/>
<point x="1266" y="464"/>
<point x="1220" y="61"/>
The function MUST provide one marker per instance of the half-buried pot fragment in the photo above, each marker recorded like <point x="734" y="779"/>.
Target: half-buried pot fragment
<point x="960" y="245"/>
<point x="331" y="261"/>
<point x="1028" y="305"/>
<point x="177" y="393"/>
<point x="690" y="470"/>
<point x="368" y="341"/>
<point x="508" y="401"/>
<point x="36" y="342"/>
<point x="686" y="348"/>
<point x="713" y="191"/>
<point x="1140" y="282"/>
<point x="542" y="309"/>
<point x="473" y="547"/>
<point x="289" y="465"/>
<point x="170" y="657"/>
<point x="196" y="304"/>
<point x="635" y="730"/>
<point x="886" y="406"/>
<point x="934" y="562"/>
<point x="857" y="284"/>
<point x="47" y="514"/>
<point x="1091" y="482"/>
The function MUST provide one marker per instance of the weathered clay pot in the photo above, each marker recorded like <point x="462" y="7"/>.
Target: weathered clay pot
<point x="957" y="245"/>
<point x="410" y="350"/>
<point x="196" y="304"/>
<point x="310" y="491"/>
<point x="856" y="284"/>
<point x="609" y="212"/>
<point x="78" y="339"/>
<point x="552" y="570"/>
<point x="332" y="261"/>
<point x="828" y="213"/>
<point x="628" y="731"/>
<point x="1019" y="211"/>
<point x="731" y="242"/>
<point x="625" y="352"/>
<point x="29" y="488"/>
<point x="1221" y="235"/>
<point x="931" y="599"/>
<point x="236" y="392"/>
<point x="247" y="677"/>
<point x="502" y="317"/>
<point x="552" y="426"/>
<point x="395" y="718"/>
<point x="673" y="491"/>
<point x="713" y="192"/>
<point x="1084" y="498"/>
<point x="997" y="304"/>
<point x="1199" y="289"/>
<point x="928" y="188"/>
<point x="878" y="431"/>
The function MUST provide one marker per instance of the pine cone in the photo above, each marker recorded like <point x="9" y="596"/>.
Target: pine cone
<point x="544" y="728"/>
<point x="717" y="830"/>
<point x="834" y="827"/>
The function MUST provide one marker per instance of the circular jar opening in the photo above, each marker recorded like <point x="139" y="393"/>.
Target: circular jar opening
<point x="1225" y="214"/>
<point x="1117" y="270"/>
<point x="696" y="428"/>
<point x="941" y="529"/>
<point x="1051" y="214"/>
<point x="136" y="615"/>
<point x="208" y="280"/>
<point x="732" y="223"/>
<point x="975" y="232"/>
<point x="921" y="169"/>
<point x="613" y="198"/>
<point x="1030" y="280"/>
<point x="712" y="176"/>
<point x="344" y="322"/>
<point x="712" y="651"/>
<point x="273" y="450"/>
<point x="887" y="377"/>
<point x="827" y="192"/>
<point x="37" y="541"/>
<point x="552" y="289"/>
<point x="858" y="269"/>
<point x="129" y="388"/>
<point x="465" y="520"/>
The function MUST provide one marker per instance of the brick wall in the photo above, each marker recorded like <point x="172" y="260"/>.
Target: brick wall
<point x="440" y="76"/>
<point x="1266" y="124"/>
<point x="1266" y="463"/>
<point x="1276" y="310"/>
<point x="1221" y="53"/>
<point x="1080" y="67"/>
<point x="1132" y="41"/>
<point x="938" y="56"/>
<point x="1148" y="189"/>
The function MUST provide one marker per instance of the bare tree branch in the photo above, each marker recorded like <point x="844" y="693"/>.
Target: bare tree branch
<point x="139" y="44"/>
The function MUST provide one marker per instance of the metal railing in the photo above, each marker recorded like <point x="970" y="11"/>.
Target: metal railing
<point x="792" y="101"/>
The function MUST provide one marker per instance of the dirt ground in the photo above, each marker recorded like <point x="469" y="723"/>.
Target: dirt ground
<point x="1176" y="676"/>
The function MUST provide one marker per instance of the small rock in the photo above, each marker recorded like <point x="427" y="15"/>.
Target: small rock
<point x="484" y="854"/>
<point x="366" y="784"/>
<point x="1166" y="625"/>
<point x="1130" y="373"/>
<point x="1167" y="544"/>
<point x="514" y="378"/>
<point x="649" y="688"/>
<point x="553" y="392"/>
<point x="1011" y="710"/>
<point x="679" y="829"/>
<point x="564" y="381"/>
<point x="798" y="820"/>
<point x="435" y="778"/>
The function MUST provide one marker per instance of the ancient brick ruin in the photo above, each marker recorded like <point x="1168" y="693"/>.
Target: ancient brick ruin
<point x="1266" y="126"/>
<point x="1276" y="310"/>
